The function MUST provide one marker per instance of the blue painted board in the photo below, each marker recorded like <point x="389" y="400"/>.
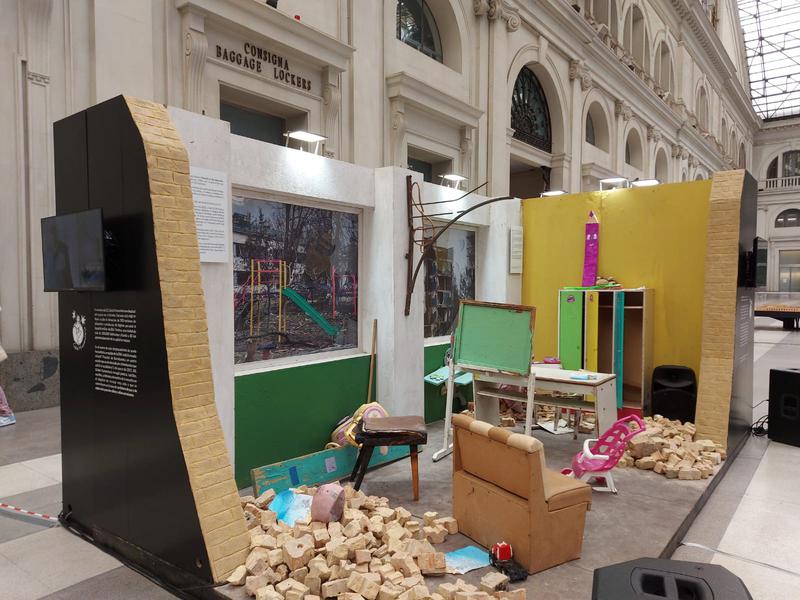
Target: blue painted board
<point x="318" y="467"/>
<point x="440" y="375"/>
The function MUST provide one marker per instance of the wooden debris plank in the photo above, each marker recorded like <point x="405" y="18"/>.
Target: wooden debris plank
<point x="318" y="467"/>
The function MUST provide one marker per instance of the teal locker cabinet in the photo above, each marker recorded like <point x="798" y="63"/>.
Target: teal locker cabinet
<point x="610" y="331"/>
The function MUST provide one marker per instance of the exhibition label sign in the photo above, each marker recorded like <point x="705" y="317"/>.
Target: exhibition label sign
<point x="210" y="195"/>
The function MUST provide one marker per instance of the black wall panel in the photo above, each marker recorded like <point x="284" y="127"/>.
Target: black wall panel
<point x="124" y="472"/>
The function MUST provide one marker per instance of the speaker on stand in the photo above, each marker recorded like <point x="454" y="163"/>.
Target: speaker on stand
<point x="784" y="406"/>
<point x="663" y="578"/>
<point x="674" y="392"/>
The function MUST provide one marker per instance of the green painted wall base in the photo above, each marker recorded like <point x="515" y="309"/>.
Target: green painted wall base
<point x="290" y="412"/>
<point x="435" y="394"/>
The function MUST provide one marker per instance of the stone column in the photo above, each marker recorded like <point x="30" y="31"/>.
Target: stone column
<point x="331" y="104"/>
<point x="400" y="337"/>
<point x="41" y="319"/>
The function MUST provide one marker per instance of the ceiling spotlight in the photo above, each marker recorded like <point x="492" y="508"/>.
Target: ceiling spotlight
<point x="305" y="136"/>
<point x="454" y="179"/>
<point x="645" y="182"/>
<point x="611" y="183"/>
<point x="549" y="193"/>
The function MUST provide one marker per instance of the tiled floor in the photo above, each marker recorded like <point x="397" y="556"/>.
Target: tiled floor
<point x="750" y="524"/>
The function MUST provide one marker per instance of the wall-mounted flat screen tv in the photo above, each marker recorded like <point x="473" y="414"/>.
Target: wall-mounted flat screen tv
<point x="73" y="252"/>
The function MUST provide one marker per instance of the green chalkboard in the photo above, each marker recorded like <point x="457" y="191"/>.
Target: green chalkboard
<point x="495" y="336"/>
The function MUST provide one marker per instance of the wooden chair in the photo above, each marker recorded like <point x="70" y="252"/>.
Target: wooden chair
<point x="389" y="431"/>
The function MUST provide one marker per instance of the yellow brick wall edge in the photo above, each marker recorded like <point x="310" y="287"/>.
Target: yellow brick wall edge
<point x="719" y="307"/>
<point x="186" y="336"/>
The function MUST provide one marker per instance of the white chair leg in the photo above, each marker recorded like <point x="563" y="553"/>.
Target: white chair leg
<point x="610" y="482"/>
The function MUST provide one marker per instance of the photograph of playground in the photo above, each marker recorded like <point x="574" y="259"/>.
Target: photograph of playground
<point x="295" y="277"/>
<point x="449" y="278"/>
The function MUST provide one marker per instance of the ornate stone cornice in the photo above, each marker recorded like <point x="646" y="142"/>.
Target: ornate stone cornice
<point x="195" y="51"/>
<point x="578" y="70"/>
<point x="496" y="10"/>
<point x="623" y="109"/>
<point x="398" y="132"/>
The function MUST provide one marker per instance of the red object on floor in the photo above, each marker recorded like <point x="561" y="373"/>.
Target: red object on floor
<point x="502" y="551"/>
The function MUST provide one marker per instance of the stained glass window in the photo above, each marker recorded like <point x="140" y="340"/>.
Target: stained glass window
<point x="791" y="163"/>
<point x="530" y="116"/>
<point x="417" y="28"/>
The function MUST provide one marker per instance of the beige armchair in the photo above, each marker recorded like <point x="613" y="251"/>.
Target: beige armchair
<point x="502" y="491"/>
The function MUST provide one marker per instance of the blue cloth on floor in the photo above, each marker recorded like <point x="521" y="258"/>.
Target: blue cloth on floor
<point x="289" y="506"/>
<point x="466" y="559"/>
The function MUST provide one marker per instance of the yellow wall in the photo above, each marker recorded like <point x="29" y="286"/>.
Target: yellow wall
<point x="653" y="237"/>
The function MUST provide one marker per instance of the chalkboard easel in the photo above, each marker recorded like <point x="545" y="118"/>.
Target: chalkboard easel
<point x="494" y="342"/>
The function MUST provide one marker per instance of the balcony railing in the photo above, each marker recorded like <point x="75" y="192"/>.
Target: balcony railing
<point x="780" y="183"/>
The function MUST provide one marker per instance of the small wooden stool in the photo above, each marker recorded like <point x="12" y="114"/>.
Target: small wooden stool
<point x="389" y="431"/>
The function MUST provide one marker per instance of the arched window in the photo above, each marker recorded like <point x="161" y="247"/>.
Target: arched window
<point x="791" y="163"/>
<point x="597" y="127"/>
<point x="417" y="28"/>
<point x="662" y="166"/>
<point x="723" y="140"/>
<point x="634" y="36"/>
<point x="633" y="149"/>
<point x="788" y="218"/>
<point x="600" y="11"/>
<point x="702" y="108"/>
<point x="742" y="156"/>
<point x="530" y="116"/>
<point x="772" y="169"/>
<point x="663" y="67"/>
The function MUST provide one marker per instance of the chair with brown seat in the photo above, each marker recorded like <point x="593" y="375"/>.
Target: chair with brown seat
<point x="389" y="431"/>
<point x="502" y="491"/>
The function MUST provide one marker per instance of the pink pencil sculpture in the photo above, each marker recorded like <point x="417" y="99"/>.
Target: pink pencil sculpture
<point x="591" y="250"/>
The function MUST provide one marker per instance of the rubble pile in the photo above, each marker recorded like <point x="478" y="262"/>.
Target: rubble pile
<point x="367" y="551"/>
<point x="670" y="449"/>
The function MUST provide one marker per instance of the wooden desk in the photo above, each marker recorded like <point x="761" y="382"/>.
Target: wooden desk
<point x="487" y="395"/>
<point x="603" y="386"/>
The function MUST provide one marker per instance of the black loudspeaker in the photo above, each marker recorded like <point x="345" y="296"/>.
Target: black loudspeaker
<point x="674" y="392"/>
<point x="784" y="406"/>
<point x="661" y="578"/>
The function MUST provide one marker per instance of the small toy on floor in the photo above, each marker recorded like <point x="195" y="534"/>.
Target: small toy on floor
<point x="502" y="557"/>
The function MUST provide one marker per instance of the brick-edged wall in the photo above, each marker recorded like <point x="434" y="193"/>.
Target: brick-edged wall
<point x="719" y="306"/>
<point x="185" y="328"/>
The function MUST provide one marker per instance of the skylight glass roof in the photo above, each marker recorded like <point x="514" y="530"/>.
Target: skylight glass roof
<point x="772" y="42"/>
